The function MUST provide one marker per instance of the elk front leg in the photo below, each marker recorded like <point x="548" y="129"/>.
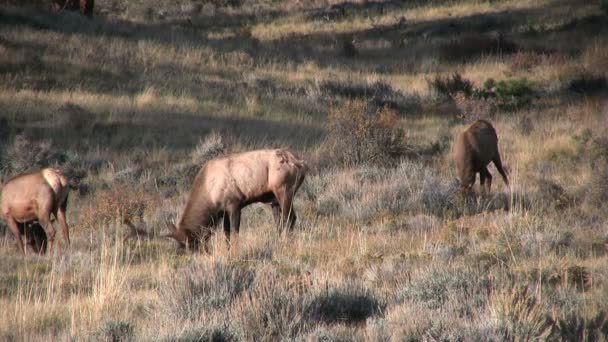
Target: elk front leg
<point x="288" y="216"/>
<point x="12" y="224"/>
<point x="485" y="177"/>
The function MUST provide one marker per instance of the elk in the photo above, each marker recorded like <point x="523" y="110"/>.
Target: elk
<point x="84" y="6"/>
<point x="226" y="185"/>
<point x="474" y="149"/>
<point x="33" y="197"/>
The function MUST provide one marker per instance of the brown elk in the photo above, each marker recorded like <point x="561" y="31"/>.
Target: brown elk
<point x="34" y="196"/>
<point x="474" y="149"/>
<point x="227" y="184"/>
<point x="84" y="6"/>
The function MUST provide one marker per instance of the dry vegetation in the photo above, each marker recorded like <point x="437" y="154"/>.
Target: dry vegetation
<point x="372" y="94"/>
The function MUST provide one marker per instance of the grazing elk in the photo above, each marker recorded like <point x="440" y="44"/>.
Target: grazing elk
<point x="474" y="149"/>
<point x="84" y="6"/>
<point x="227" y="184"/>
<point x="34" y="196"/>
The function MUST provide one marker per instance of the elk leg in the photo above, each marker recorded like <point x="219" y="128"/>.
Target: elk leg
<point x="227" y="227"/>
<point x="235" y="219"/>
<point x="485" y="176"/>
<point x="46" y="224"/>
<point x="288" y="216"/>
<point x="60" y="215"/>
<point x="276" y="212"/>
<point x="12" y="224"/>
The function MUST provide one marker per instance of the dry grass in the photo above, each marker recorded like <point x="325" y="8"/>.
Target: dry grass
<point x="134" y="101"/>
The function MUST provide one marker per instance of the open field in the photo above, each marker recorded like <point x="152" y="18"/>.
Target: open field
<point x="131" y="103"/>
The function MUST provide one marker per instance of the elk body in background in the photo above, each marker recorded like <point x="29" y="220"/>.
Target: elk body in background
<point x="84" y="6"/>
<point x="34" y="197"/>
<point x="474" y="149"/>
<point x="227" y="184"/>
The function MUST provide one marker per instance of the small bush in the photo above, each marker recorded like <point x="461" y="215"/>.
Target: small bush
<point x="347" y="304"/>
<point x="208" y="148"/>
<point x="204" y="334"/>
<point x="25" y="155"/>
<point x="514" y="94"/>
<point x="525" y="125"/>
<point x="120" y="203"/>
<point x="199" y="288"/>
<point x="449" y="86"/>
<point x="598" y="189"/>
<point x="360" y="135"/>
<point x="472" y="45"/>
<point x="574" y="327"/>
<point x="116" y="331"/>
<point x="551" y="196"/>
<point x="271" y="309"/>
<point x="519" y="315"/>
<point x="436" y="287"/>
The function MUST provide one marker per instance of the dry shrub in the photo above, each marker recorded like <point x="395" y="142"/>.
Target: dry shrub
<point x="519" y="315"/>
<point x="552" y="196"/>
<point x="473" y="45"/>
<point x="26" y="155"/>
<point x="525" y="126"/>
<point x="448" y="86"/>
<point x="438" y="286"/>
<point x="116" y="331"/>
<point x="272" y="309"/>
<point x="474" y="108"/>
<point x="595" y="57"/>
<point x="221" y="333"/>
<point x="197" y="289"/>
<point x="359" y="134"/>
<point x="210" y="147"/>
<point x="527" y="60"/>
<point x="575" y="327"/>
<point x="120" y="203"/>
<point x="598" y="187"/>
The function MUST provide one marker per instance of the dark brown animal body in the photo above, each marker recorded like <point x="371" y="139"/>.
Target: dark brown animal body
<point x="474" y="149"/>
<point x="84" y="6"/>
<point x="34" y="197"/>
<point x="225" y="185"/>
<point x="35" y="236"/>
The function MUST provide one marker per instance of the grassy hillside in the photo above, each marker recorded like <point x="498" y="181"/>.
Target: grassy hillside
<point x="131" y="103"/>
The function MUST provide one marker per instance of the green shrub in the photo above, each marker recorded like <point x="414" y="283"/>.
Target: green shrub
<point x="514" y="94"/>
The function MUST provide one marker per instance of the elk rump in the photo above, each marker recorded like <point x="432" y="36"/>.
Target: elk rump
<point x="474" y="149"/>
